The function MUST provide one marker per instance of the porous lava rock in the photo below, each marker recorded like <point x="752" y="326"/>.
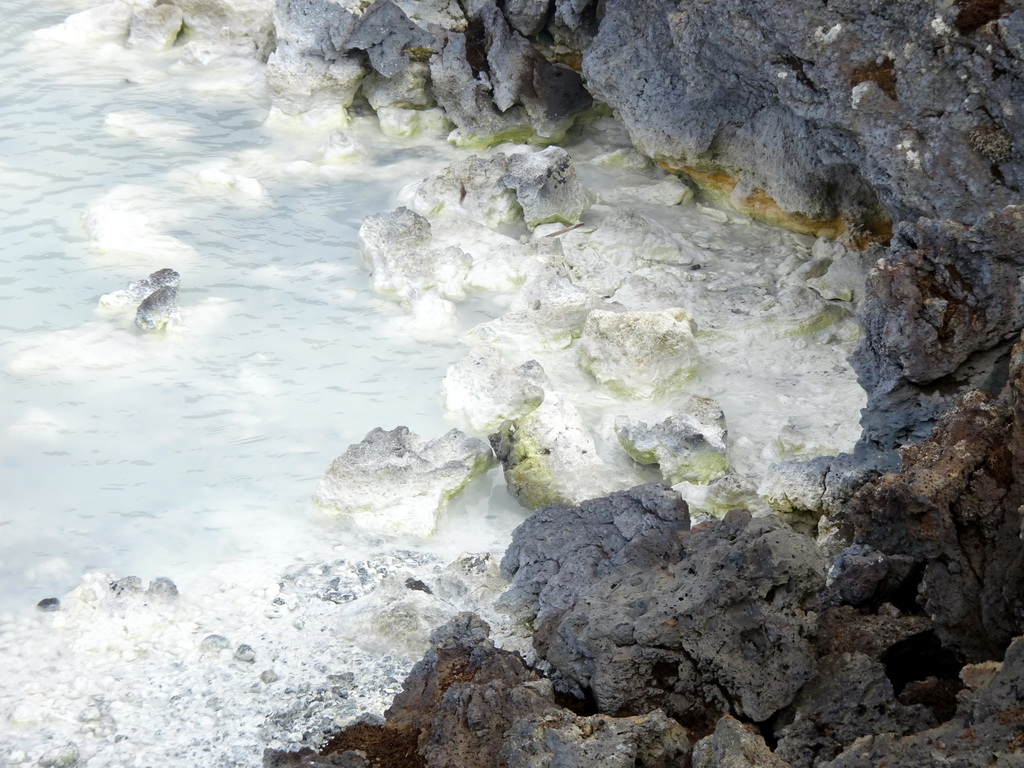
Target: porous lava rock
<point x="470" y="704"/>
<point x="941" y="307"/>
<point x="955" y="509"/>
<point x="714" y="620"/>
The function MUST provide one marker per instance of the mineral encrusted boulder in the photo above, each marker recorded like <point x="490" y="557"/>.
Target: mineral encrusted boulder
<point x="550" y="457"/>
<point x="396" y="247"/>
<point x="484" y="389"/>
<point x="395" y="481"/>
<point x="687" y="446"/>
<point x="546" y="186"/>
<point x="639" y="354"/>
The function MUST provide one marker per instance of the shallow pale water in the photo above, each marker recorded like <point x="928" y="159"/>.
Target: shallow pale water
<point x="155" y="455"/>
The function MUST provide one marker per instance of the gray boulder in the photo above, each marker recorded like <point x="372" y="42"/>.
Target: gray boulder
<point x="159" y="310"/>
<point x="396" y="481"/>
<point x="717" y="620"/>
<point x="940" y="305"/>
<point x="546" y="186"/>
<point x="687" y="446"/>
<point x="803" y="118"/>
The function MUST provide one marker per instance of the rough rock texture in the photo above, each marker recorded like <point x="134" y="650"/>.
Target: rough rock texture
<point x="549" y="457"/>
<point x="546" y="186"/>
<point x="797" y="117"/>
<point x="396" y="481"/>
<point x="155" y="28"/>
<point x="495" y="86"/>
<point x="850" y="696"/>
<point x="472" y="705"/>
<point x="987" y="730"/>
<point x="472" y="188"/>
<point x="159" y="310"/>
<point x="484" y="389"/>
<point x="689" y="445"/>
<point x="556" y="554"/>
<point x="942" y="294"/>
<point x="955" y="508"/>
<point x="138" y="290"/>
<point x="716" y="620"/>
<point x="396" y="246"/>
<point x="734" y="745"/>
<point x="639" y="354"/>
<point x="548" y="313"/>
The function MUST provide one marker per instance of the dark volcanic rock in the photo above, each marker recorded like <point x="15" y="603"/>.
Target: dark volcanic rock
<point x="716" y="620"/>
<point x="955" y="508"/>
<point x="938" y="310"/>
<point x="469" y="704"/>
<point x="800" y="113"/>
<point x="988" y="729"/>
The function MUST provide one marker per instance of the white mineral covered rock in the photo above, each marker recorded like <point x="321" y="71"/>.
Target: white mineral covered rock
<point x="484" y="389"/>
<point x="687" y="446"/>
<point x="156" y="28"/>
<point x="397" y="482"/>
<point x="298" y="83"/>
<point x="639" y="354"/>
<point x="546" y="186"/>
<point x="549" y="457"/>
<point x="405" y="123"/>
<point x="473" y="188"/>
<point x="341" y="148"/>
<point x="430" y="313"/>
<point x="547" y="314"/>
<point x="603" y="259"/>
<point x="159" y="310"/>
<point x="409" y="89"/>
<point x="396" y="247"/>
<point x="230" y="27"/>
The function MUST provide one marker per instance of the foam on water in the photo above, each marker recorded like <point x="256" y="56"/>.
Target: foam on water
<point x="193" y="455"/>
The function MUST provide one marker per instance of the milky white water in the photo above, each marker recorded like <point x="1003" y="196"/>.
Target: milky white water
<point x="193" y="455"/>
<point x="153" y="456"/>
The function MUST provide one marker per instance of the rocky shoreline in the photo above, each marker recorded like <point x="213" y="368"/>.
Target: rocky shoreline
<point x="893" y="637"/>
<point x="877" y="615"/>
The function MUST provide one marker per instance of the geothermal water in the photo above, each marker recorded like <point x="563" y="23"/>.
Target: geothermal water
<point x="193" y="455"/>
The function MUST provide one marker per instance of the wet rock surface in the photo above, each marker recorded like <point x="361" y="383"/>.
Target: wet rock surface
<point x="397" y="481"/>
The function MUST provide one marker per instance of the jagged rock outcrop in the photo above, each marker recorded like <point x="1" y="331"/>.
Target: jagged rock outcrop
<point x="699" y="623"/>
<point x="804" y="118"/>
<point x="470" y="704"/>
<point x="939" y="308"/>
<point x="955" y="509"/>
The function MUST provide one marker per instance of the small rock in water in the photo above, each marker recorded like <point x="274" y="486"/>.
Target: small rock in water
<point x="417" y="585"/>
<point x="245" y="652"/>
<point x="163" y="588"/>
<point x="159" y="310"/>
<point x="48" y="604"/>
<point x="139" y="290"/>
<point x="214" y="643"/>
<point x="129" y="585"/>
